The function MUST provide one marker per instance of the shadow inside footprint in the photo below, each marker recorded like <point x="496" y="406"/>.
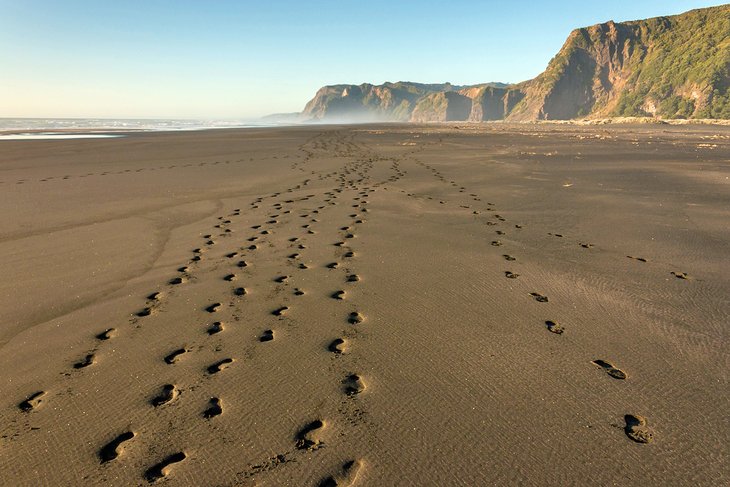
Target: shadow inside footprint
<point x="160" y="470"/>
<point x="267" y="336"/>
<point x="307" y="439"/>
<point x="85" y="362"/>
<point x="346" y="477"/>
<point x="637" y="430"/>
<point x="220" y="365"/>
<point x="214" y="408"/>
<point x="216" y="327"/>
<point x="614" y="372"/>
<point x="168" y="393"/>
<point x="337" y="346"/>
<point x="32" y="402"/>
<point x="554" y="327"/>
<point x="173" y="356"/>
<point x="110" y="451"/>
<point x="353" y="385"/>
<point x="539" y="297"/>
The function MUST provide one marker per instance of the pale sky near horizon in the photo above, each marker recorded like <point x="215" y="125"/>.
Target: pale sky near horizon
<point x="243" y="59"/>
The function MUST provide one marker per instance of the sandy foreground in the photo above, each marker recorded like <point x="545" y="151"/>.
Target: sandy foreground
<point x="367" y="305"/>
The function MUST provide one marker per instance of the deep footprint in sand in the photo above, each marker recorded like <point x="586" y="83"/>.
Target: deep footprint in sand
<point x="337" y="346"/>
<point x="554" y="327"/>
<point x="355" y="318"/>
<point x="267" y="336"/>
<point x="167" y="394"/>
<point x="213" y="307"/>
<point x="353" y="385"/>
<point x="106" y="334"/>
<point x="162" y="469"/>
<point x="338" y="295"/>
<point x="220" y="365"/>
<point x="85" y="362"/>
<point x="612" y="371"/>
<point x="214" y="408"/>
<point x="112" y="450"/>
<point x="511" y="275"/>
<point x="353" y="278"/>
<point x="280" y="311"/>
<point x="637" y="430"/>
<point x="346" y="477"/>
<point x="308" y="437"/>
<point x="539" y="297"/>
<point x="32" y="401"/>
<point x="173" y="356"/>
<point x="508" y="257"/>
<point x="680" y="275"/>
<point x="216" y="327"/>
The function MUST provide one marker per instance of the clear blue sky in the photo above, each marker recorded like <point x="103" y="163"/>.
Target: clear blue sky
<point x="239" y="59"/>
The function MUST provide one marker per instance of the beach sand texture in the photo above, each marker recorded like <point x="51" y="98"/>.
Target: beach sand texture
<point x="367" y="305"/>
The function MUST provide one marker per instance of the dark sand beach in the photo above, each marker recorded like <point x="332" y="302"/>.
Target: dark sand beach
<point x="473" y="304"/>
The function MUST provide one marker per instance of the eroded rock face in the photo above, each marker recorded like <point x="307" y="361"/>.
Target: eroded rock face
<point x="669" y="67"/>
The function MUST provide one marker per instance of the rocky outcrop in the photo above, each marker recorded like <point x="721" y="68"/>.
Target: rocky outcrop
<point x="669" y="67"/>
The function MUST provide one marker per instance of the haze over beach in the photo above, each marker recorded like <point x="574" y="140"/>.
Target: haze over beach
<point x="332" y="244"/>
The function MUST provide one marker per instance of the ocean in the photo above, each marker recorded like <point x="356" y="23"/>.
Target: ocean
<point x="74" y="128"/>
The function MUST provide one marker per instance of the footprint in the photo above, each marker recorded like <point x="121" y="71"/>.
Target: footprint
<point x="32" y="402"/>
<point x="539" y="297"/>
<point x="216" y="327"/>
<point x="213" y="307"/>
<point x="298" y="292"/>
<point x="554" y="327"/>
<point x="508" y="257"/>
<point x="355" y="318"/>
<point x="242" y="264"/>
<point x="168" y="394"/>
<point x="338" y="346"/>
<point x="640" y="259"/>
<point x="680" y="275"/>
<point x="85" y="362"/>
<point x="144" y="312"/>
<point x="496" y="243"/>
<point x="231" y="255"/>
<point x="214" y="408"/>
<point x="106" y="334"/>
<point x="308" y="437"/>
<point x="156" y="296"/>
<point x="230" y="277"/>
<point x="162" y="469"/>
<point x="239" y="291"/>
<point x="586" y="245"/>
<point x="176" y="280"/>
<point x="353" y="385"/>
<point x="637" y="430"/>
<point x="267" y="336"/>
<point x="281" y="279"/>
<point x="338" y="295"/>
<point x="332" y="265"/>
<point x="353" y="278"/>
<point x="220" y="365"/>
<point x="280" y="311"/>
<point x="511" y="275"/>
<point x="110" y="451"/>
<point x="173" y="356"/>
<point x="349" y="254"/>
<point x="614" y="372"/>
<point x="346" y="477"/>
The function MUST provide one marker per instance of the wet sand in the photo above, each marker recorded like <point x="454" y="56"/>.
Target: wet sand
<point x="367" y="305"/>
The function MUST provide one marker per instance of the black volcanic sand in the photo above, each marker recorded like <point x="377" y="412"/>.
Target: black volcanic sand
<point x="367" y="305"/>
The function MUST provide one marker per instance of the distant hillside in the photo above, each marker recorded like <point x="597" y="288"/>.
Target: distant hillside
<point x="668" y="67"/>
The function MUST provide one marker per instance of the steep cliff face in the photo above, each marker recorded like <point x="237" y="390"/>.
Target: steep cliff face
<point x="669" y="67"/>
<point x="366" y="102"/>
<point x="446" y="106"/>
<point x="672" y="67"/>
